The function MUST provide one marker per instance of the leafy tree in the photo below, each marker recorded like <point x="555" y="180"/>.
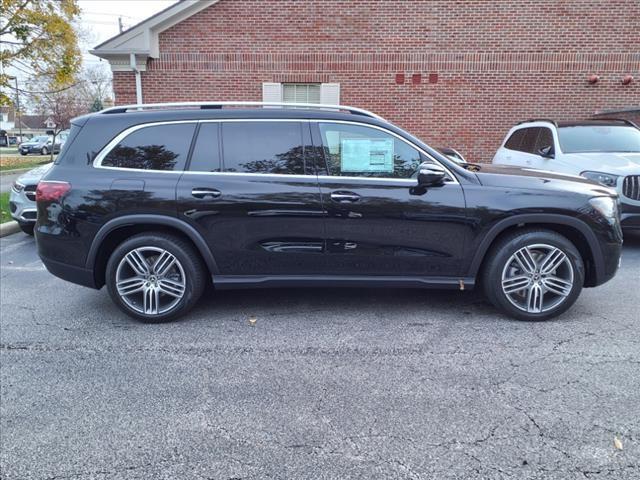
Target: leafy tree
<point x="37" y="38"/>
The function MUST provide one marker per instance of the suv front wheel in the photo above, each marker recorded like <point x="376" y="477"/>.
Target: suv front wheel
<point x="533" y="274"/>
<point x="155" y="277"/>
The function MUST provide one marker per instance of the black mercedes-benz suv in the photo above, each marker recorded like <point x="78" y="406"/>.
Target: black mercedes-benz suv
<point x="156" y="201"/>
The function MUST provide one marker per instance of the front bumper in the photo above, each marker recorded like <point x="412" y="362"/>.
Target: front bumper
<point x="630" y="216"/>
<point x="22" y="205"/>
<point x="30" y="149"/>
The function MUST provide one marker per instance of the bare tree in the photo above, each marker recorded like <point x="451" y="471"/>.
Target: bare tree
<point x="95" y="85"/>
<point x="62" y="107"/>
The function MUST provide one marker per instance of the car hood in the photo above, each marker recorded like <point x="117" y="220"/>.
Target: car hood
<point x="32" y="177"/>
<point x="529" y="178"/>
<point x="607" y="162"/>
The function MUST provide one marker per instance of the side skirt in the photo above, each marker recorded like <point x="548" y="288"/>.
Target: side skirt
<point x="275" y="281"/>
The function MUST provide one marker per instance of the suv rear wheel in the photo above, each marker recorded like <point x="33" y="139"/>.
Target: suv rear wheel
<point x="155" y="277"/>
<point x="533" y="275"/>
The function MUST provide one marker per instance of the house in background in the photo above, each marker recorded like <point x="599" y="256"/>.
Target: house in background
<point x="455" y="73"/>
<point x="34" y="125"/>
<point x="29" y="125"/>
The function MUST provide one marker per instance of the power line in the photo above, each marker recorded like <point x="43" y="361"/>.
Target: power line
<point x="109" y="14"/>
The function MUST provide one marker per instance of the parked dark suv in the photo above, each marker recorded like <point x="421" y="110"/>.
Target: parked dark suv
<point x="157" y="201"/>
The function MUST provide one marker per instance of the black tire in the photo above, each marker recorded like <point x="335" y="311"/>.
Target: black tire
<point x="44" y="151"/>
<point x="499" y="257"/>
<point x="194" y="272"/>
<point x="23" y="153"/>
<point x="27" y="227"/>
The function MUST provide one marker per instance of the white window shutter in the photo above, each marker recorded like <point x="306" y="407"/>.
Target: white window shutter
<point x="271" y="92"/>
<point x="330" y="93"/>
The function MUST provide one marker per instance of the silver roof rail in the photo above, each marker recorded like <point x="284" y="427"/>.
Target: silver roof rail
<point x="219" y="105"/>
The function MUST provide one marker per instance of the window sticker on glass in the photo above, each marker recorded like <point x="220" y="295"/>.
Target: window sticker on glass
<point x="367" y="155"/>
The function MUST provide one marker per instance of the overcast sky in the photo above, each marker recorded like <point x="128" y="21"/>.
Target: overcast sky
<point x="99" y="22"/>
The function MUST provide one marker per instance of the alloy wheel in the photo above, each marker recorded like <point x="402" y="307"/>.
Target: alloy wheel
<point x="150" y="280"/>
<point x="537" y="278"/>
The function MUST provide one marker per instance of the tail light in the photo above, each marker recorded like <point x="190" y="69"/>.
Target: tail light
<point x="51" y="191"/>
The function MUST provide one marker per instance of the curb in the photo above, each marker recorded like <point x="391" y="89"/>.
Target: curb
<point x="8" y="228"/>
<point x="17" y="170"/>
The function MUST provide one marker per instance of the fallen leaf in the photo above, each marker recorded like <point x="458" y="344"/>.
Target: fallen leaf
<point x="617" y="443"/>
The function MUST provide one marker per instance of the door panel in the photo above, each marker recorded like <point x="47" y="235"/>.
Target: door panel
<point x="378" y="222"/>
<point x="256" y="224"/>
<point x="391" y="231"/>
<point x="257" y="215"/>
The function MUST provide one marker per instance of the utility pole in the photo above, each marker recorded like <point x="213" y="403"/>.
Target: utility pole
<point x="120" y="24"/>
<point x="18" y="106"/>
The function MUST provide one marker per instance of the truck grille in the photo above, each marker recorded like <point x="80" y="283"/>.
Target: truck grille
<point x="631" y="187"/>
<point x="30" y="192"/>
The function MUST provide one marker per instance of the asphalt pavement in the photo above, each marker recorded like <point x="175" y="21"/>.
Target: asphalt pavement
<point x="328" y="383"/>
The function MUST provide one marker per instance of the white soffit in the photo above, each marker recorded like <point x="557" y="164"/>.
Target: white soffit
<point x="142" y="39"/>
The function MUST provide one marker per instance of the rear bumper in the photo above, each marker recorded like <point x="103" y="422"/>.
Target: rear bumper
<point x="70" y="273"/>
<point x="63" y="256"/>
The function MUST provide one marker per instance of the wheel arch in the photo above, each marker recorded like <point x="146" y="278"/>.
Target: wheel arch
<point x="575" y="230"/>
<point x="118" y="229"/>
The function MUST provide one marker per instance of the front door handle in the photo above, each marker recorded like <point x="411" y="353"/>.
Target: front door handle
<point x="344" y="197"/>
<point x="206" y="192"/>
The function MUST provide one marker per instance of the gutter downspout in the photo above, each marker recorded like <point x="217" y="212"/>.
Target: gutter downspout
<point x="134" y="68"/>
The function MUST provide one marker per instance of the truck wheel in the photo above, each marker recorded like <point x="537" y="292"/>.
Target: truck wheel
<point x="533" y="274"/>
<point x="155" y="277"/>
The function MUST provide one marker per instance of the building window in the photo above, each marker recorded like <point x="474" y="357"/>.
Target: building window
<point x="325" y="93"/>
<point x="301" y="92"/>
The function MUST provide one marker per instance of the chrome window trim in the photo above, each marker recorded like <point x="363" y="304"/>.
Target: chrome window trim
<point x="97" y="162"/>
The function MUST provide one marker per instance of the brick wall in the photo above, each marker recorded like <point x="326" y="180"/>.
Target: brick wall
<point x="482" y="65"/>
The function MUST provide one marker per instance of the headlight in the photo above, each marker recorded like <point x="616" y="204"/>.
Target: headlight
<point x="605" y="179"/>
<point x="17" y="187"/>
<point x="607" y="206"/>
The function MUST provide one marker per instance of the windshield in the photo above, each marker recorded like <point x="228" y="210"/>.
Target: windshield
<point x="599" y="139"/>
<point x="39" y="139"/>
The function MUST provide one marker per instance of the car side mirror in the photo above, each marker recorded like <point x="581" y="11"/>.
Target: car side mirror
<point x="546" y="152"/>
<point x="431" y="175"/>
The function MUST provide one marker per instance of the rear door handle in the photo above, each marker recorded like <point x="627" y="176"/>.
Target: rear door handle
<point x="344" y="197"/>
<point x="206" y="192"/>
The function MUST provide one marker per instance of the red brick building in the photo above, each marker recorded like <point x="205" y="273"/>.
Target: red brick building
<point x="456" y="73"/>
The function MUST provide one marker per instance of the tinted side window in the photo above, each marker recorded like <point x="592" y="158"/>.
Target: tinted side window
<point x="159" y="147"/>
<point x="545" y="139"/>
<point x="263" y="147"/>
<point x="515" y="140"/>
<point x="206" y="151"/>
<point x="353" y="150"/>
<point x="529" y="141"/>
